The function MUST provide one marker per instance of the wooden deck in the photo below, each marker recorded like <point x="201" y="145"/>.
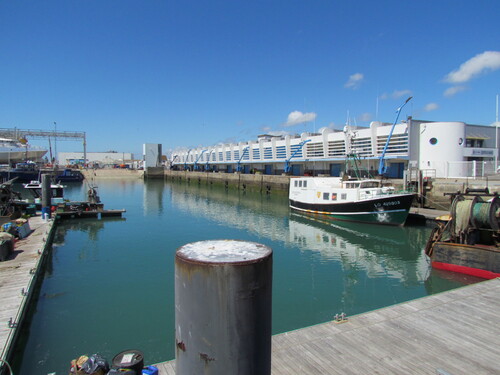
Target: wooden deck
<point x="17" y="279"/>
<point x="451" y="333"/>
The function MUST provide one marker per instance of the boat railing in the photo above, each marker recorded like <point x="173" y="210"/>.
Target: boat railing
<point x="375" y="193"/>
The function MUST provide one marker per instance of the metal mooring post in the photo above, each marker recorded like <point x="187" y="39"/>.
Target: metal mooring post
<point x="46" y="195"/>
<point x="223" y="298"/>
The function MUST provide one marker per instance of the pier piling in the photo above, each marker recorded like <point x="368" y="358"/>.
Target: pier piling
<point x="46" y="195"/>
<point x="223" y="298"/>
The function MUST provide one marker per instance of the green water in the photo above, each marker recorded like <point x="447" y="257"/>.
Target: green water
<point x="109" y="284"/>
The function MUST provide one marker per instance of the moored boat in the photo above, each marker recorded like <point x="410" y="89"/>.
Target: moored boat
<point x="361" y="200"/>
<point x="468" y="240"/>
<point x="69" y="175"/>
<point x="56" y="192"/>
<point x="15" y="151"/>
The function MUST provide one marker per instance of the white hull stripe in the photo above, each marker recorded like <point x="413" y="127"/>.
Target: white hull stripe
<point x="349" y="213"/>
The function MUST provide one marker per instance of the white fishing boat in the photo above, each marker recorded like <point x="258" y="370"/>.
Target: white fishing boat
<point x="362" y="199"/>
<point x="14" y="151"/>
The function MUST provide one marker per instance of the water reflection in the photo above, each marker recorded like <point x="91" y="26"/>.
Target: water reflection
<point x="381" y="251"/>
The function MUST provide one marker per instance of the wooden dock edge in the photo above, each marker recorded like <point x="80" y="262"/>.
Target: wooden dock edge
<point x="452" y="332"/>
<point x="39" y="246"/>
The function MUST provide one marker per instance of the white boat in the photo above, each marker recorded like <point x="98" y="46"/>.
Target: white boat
<point x="35" y="188"/>
<point x="361" y="200"/>
<point x="14" y="151"/>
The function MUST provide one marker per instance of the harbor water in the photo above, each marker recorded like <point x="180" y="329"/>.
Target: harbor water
<point x="109" y="284"/>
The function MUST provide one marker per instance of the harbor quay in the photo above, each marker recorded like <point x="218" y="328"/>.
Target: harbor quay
<point x="18" y="278"/>
<point x="317" y="348"/>
<point x="454" y="332"/>
<point x="435" y="191"/>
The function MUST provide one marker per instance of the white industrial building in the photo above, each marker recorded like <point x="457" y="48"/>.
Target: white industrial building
<point x="438" y="149"/>
<point x="101" y="159"/>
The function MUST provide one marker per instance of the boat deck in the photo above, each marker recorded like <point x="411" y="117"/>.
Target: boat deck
<point x="455" y="332"/>
<point x="18" y="275"/>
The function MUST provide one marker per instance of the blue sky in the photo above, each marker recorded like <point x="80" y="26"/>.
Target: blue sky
<point x="196" y="73"/>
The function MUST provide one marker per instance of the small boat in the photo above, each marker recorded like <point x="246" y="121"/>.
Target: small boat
<point x="360" y="200"/>
<point x="35" y="188"/>
<point x="69" y="175"/>
<point x="23" y="172"/>
<point x="467" y="240"/>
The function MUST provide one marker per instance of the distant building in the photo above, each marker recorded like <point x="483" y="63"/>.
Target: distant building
<point x="152" y="155"/>
<point x="102" y="159"/>
<point x="438" y="149"/>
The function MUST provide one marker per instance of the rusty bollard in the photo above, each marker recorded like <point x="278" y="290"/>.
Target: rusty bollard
<point x="223" y="299"/>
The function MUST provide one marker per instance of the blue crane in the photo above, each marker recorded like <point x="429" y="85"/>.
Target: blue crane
<point x="238" y="166"/>
<point x="382" y="167"/>
<point x="195" y="166"/>
<point x="288" y="167"/>
<point x="208" y="159"/>
<point x="185" y="161"/>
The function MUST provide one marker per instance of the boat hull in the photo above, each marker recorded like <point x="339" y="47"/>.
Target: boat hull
<point x="476" y="260"/>
<point x="9" y="157"/>
<point x="389" y="210"/>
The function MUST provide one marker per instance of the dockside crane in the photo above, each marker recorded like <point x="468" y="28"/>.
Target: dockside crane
<point x="382" y="167"/>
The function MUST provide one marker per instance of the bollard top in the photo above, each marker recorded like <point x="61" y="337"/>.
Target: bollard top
<point x="223" y="251"/>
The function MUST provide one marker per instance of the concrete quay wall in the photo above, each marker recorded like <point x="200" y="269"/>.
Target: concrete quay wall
<point x="112" y="173"/>
<point x="255" y="182"/>
<point x="435" y="197"/>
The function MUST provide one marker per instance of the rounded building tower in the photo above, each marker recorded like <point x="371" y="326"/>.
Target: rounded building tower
<point x="442" y="148"/>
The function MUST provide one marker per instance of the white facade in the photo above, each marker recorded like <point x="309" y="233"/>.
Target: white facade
<point x="101" y="158"/>
<point x="152" y="155"/>
<point x="441" y="149"/>
<point x="440" y="143"/>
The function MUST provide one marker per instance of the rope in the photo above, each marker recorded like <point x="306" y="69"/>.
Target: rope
<point x="481" y="214"/>
<point x="462" y="215"/>
<point x="8" y="366"/>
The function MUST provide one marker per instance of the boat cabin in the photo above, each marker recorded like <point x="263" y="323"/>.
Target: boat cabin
<point x="35" y="188"/>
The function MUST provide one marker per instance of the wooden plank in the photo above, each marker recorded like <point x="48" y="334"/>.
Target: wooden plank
<point x="456" y="332"/>
<point x="16" y="275"/>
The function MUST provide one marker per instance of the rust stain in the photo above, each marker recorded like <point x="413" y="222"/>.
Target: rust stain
<point x="206" y="358"/>
<point x="181" y="345"/>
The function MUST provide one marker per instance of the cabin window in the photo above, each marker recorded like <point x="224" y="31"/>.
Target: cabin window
<point x="305" y="183"/>
<point x="296" y="183"/>
<point x="326" y="196"/>
<point x="343" y="196"/>
<point x="300" y="183"/>
<point x="334" y="196"/>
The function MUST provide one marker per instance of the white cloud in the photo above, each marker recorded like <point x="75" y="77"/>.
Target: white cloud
<point x="431" y="107"/>
<point x="453" y="90"/>
<point x="488" y="60"/>
<point x="365" y="117"/>
<point x="399" y="93"/>
<point x="297" y="117"/>
<point x="278" y="133"/>
<point x="354" y="81"/>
